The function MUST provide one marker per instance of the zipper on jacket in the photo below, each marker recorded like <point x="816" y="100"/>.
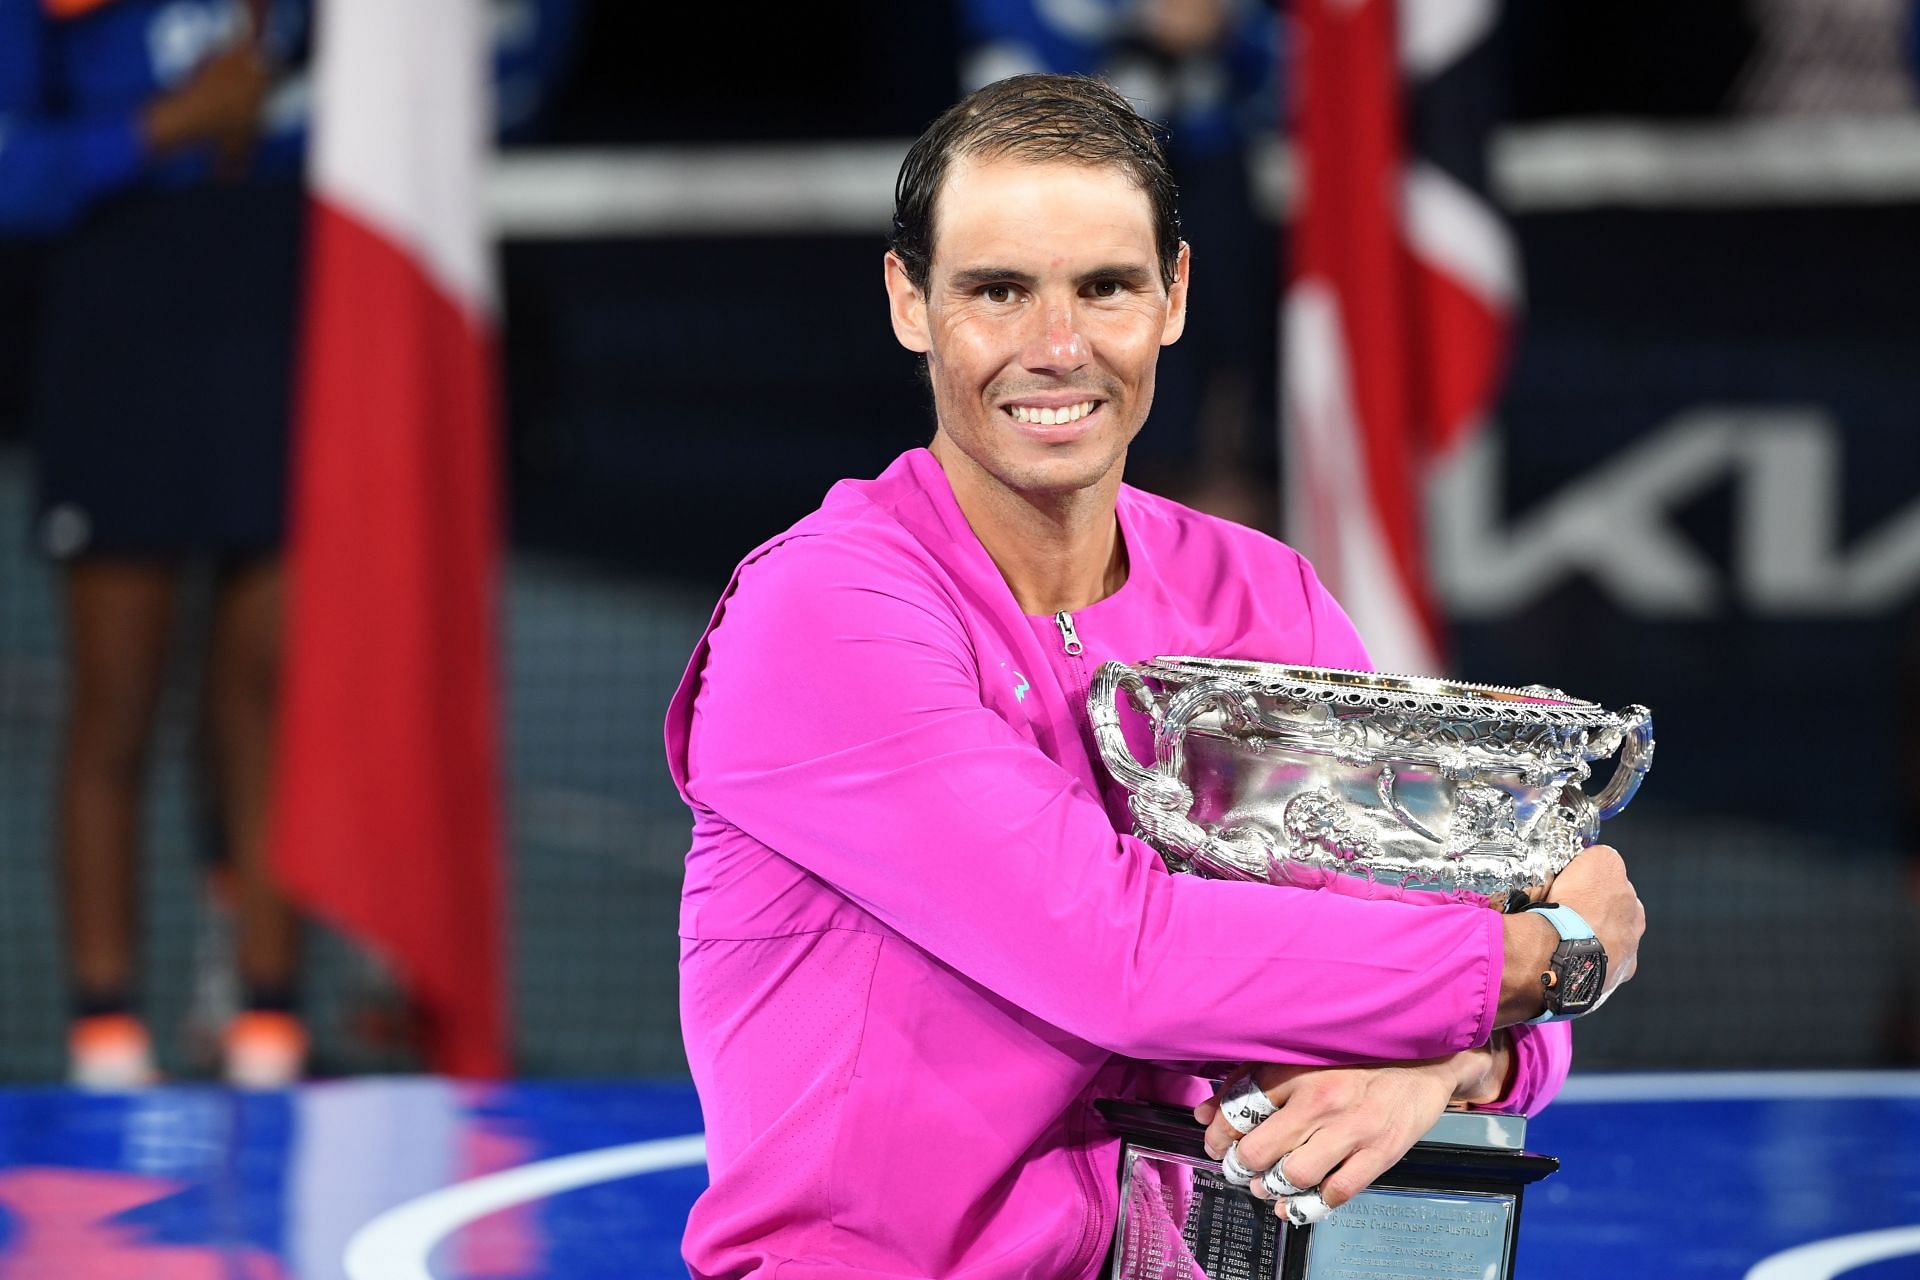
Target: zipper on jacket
<point x="1093" y="1225"/>
<point x="1069" y="638"/>
<point x="1071" y="646"/>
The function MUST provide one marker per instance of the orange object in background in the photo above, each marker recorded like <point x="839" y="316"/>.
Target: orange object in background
<point x="73" y="8"/>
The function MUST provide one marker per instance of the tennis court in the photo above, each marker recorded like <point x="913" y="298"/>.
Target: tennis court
<point x="1704" y="1176"/>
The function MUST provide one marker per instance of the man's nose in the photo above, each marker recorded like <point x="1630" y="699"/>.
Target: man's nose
<point x="1055" y="344"/>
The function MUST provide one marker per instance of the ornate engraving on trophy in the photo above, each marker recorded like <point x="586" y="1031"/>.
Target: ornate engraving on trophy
<point x="1290" y="775"/>
<point x="1181" y="1220"/>
<point x="1321" y="819"/>
<point x="1413" y="1235"/>
<point x="1482" y="816"/>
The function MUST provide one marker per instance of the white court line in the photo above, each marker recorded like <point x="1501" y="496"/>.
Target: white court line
<point x="396" y="1245"/>
<point x="1824" y="1259"/>
<point x="1738" y="1086"/>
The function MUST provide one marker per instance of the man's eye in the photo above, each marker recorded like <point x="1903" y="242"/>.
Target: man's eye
<point x="998" y="293"/>
<point x="1105" y="288"/>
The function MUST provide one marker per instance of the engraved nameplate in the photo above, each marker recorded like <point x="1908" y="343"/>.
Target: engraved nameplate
<point x="1414" y="1235"/>
<point x="1181" y="1220"/>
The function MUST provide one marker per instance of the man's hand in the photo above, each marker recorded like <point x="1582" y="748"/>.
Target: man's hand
<point x="219" y="105"/>
<point x="1339" y="1128"/>
<point x="1594" y="884"/>
<point x="1183" y="27"/>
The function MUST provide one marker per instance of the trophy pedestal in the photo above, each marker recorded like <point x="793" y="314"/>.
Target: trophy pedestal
<point x="1450" y="1210"/>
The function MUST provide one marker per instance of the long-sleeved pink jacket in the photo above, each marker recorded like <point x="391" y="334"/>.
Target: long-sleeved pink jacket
<point x="916" y="946"/>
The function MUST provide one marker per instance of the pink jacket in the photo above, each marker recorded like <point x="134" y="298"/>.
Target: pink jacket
<point x="916" y="946"/>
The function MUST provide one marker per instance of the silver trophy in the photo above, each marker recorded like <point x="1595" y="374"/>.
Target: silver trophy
<point x="1292" y="775"/>
<point x="1295" y="776"/>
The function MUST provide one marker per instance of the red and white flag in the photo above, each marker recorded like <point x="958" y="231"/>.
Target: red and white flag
<point x="1402" y="283"/>
<point x="387" y="815"/>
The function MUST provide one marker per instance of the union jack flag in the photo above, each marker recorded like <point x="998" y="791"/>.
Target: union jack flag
<point x="1402" y="285"/>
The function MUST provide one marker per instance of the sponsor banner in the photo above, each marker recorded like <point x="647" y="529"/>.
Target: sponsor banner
<point x="1704" y="495"/>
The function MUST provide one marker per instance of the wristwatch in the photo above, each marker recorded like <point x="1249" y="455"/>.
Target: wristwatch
<point x="1577" y="974"/>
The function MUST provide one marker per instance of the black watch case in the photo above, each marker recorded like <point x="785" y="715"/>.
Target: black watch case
<point x="1577" y="977"/>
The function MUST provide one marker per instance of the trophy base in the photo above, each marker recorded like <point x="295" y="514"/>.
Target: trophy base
<point x="1450" y="1210"/>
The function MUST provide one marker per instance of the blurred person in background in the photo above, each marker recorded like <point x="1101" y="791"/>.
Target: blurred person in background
<point x="157" y="146"/>
<point x="916" y="944"/>
<point x="156" y="143"/>
<point x="1207" y="69"/>
<point x="1829" y="57"/>
<point x="1763" y="58"/>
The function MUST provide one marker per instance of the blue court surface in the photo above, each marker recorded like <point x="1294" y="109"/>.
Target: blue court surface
<point x="1721" y="1176"/>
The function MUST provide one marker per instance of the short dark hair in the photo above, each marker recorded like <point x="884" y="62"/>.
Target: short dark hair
<point x="1034" y="117"/>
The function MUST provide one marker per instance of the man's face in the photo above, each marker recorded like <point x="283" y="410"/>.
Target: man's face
<point x="1042" y="320"/>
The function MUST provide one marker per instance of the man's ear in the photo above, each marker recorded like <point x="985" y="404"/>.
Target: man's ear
<point x="907" y="306"/>
<point x="1177" y="298"/>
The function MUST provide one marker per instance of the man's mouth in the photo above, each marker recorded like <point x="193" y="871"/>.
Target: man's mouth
<point x="1050" y="416"/>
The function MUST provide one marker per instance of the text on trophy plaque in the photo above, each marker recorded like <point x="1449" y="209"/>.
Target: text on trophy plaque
<point x="1408" y="1235"/>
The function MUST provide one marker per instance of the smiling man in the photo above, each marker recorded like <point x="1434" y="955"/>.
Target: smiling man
<point x="917" y="942"/>
<point x="1041" y="334"/>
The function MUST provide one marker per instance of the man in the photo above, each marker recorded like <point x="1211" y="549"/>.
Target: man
<point x="916" y="945"/>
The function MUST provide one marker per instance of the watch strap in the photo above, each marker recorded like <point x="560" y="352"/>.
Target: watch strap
<point x="1568" y="923"/>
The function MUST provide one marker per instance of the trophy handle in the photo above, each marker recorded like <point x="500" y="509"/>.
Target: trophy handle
<point x="1161" y="799"/>
<point x="1636" y="757"/>
<point x="1109" y="679"/>
<point x="1170" y="734"/>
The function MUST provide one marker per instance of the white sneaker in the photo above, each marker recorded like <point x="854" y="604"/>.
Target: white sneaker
<point x="265" y="1050"/>
<point x="110" y="1051"/>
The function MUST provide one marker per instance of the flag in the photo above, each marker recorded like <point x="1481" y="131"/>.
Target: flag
<point x="387" y="797"/>
<point x="1402" y="284"/>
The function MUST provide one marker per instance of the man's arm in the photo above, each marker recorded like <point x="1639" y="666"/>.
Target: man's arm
<point x="1361" y="1120"/>
<point x="1538" y="1057"/>
<point x="839" y="722"/>
<point x="1339" y="1128"/>
<point x="54" y="163"/>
